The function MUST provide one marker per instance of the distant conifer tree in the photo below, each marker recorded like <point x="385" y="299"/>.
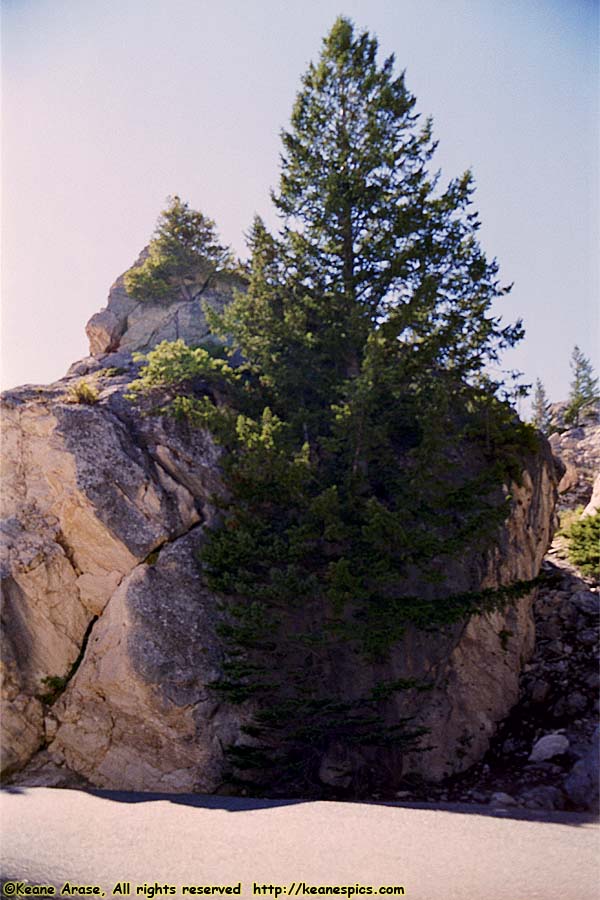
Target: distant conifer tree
<point x="541" y="417"/>
<point x="183" y="256"/>
<point x="584" y="395"/>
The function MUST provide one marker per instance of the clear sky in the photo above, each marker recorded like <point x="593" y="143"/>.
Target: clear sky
<point x="111" y="105"/>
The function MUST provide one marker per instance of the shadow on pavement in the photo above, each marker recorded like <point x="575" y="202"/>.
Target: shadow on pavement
<point x="245" y="804"/>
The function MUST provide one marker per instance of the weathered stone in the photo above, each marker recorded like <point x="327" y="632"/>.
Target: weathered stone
<point x="579" y="451"/>
<point x="543" y="797"/>
<point x="540" y="691"/>
<point x="549" y="630"/>
<point x="576" y="703"/>
<point x="582" y="783"/>
<point x="103" y="330"/>
<point x="139" y="714"/>
<point x="569" y="479"/>
<point x="129" y="325"/>
<point x="589" y="637"/>
<point x="499" y="798"/>
<point x="549" y="746"/>
<point x="83" y="503"/>
<point x="587" y="601"/>
<point x="594" y="504"/>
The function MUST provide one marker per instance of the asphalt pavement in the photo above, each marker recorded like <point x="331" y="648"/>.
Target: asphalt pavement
<point x="134" y="844"/>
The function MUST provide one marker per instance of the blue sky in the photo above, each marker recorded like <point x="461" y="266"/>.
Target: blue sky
<point x="109" y="107"/>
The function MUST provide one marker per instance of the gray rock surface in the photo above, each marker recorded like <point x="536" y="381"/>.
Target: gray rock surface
<point x="130" y="325"/>
<point x="594" y="504"/>
<point x="499" y="798"/>
<point x="139" y="712"/>
<point x="582" y="783"/>
<point x="543" y="797"/>
<point x="548" y="746"/>
<point x="579" y="451"/>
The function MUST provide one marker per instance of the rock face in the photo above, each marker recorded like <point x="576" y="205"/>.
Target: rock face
<point x="476" y="666"/>
<point x="594" y="504"/>
<point x="138" y="712"/>
<point x="91" y="492"/>
<point x="105" y="512"/>
<point x="579" y="450"/>
<point x="129" y="325"/>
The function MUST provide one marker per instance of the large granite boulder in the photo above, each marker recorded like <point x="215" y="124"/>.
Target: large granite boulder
<point x="104" y="512"/>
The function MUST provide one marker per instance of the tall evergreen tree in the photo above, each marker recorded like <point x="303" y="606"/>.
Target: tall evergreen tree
<point x="370" y="247"/>
<point x="540" y="409"/>
<point x="365" y="333"/>
<point x="584" y="388"/>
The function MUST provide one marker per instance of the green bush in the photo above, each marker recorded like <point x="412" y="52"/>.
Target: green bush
<point x="584" y="544"/>
<point x="83" y="392"/>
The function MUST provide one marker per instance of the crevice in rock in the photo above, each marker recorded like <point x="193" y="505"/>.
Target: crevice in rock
<point x="60" y="684"/>
<point x="62" y="542"/>
<point x="152" y="557"/>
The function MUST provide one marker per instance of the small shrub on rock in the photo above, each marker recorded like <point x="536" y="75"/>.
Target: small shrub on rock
<point x="82" y="392"/>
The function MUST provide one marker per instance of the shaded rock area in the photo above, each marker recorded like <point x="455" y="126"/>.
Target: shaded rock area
<point x="545" y="754"/>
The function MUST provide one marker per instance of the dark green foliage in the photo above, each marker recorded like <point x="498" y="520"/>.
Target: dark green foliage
<point x="371" y="251"/>
<point x="505" y="636"/>
<point x="584" y="388"/>
<point x="55" y="685"/>
<point x="584" y="544"/>
<point x="365" y="333"/>
<point x="183" y="256"/>
<point x="541" y="417"/>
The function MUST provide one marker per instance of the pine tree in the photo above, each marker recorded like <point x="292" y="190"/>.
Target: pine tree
<point x="370" y="247"/>
<point x="365" y="333"/>
<point x="184" y="254"/>
<point x="541" y="417"/>
<point x="584" y="388"/>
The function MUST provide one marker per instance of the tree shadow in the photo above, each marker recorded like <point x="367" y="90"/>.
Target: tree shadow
<point x="236" y="804"/>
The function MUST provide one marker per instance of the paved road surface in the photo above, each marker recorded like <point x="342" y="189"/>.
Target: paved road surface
<point x="50" y="836"/>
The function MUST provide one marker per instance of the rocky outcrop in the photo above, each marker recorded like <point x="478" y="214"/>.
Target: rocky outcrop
<point x="104" y="516"/>
<point x="91" y="491"/>
<point x="128" y="325"/>
<point x="579" y="450"/>
<point x="109" y="635"/>
<point x="594" y="504"/>
<point x="473" y="669"/>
